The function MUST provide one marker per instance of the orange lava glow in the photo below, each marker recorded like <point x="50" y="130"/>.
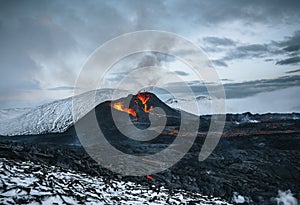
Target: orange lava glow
<point x="120" y="106"/>
<point x="144" y="98"/>
<point x="149" y="177"/>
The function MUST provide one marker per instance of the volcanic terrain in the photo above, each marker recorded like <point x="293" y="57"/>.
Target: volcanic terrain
<point x="257" y="155"/>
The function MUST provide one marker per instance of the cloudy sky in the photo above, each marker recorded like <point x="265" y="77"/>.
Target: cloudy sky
<point x="254" y="45"/>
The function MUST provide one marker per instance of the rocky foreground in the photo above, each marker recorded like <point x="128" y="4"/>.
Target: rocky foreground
<point x="241" y="169"/>
<point x="35" y="183"/>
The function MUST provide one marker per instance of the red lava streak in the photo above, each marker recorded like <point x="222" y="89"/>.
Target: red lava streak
<point x="143" y="97"/>
<point x="149" y="177"/>
<point x="120" y="106"/>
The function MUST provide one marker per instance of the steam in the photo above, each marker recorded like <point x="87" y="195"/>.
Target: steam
<point x="152" y="75"/>
<point x="152" y="59"/>
<point x="286" y="198"/>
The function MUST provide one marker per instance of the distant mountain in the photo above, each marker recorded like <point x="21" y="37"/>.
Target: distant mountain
<point x="56" y="117"/>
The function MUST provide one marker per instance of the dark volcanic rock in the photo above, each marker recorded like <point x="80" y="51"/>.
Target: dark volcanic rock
<point x="233" y="167"/>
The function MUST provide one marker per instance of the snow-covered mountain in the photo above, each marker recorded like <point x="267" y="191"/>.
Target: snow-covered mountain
<point x="53" y="117"/>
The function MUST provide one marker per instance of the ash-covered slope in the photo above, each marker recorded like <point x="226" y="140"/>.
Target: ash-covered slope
<point x="121" y="124"/>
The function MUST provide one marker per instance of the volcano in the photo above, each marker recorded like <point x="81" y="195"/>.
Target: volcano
<point x="139" y="108"/>
<point x="144" y="111"/>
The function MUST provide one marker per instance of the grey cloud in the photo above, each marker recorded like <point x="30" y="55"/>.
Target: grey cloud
<point x="251" y="51"/>
<point x="219" y="63"/>
<point x="182" y="73"/>
<point x="269" y="59"/>
<point x="290" y="43"/>
<point x="292" y="48"/>
<point x="215" y="11"/>
<point x="22" y="39"/>
<point x="226" y="80"/>
<point x="116" y="78"/>
<point x="91" y="24"/>
<point x="17" y="67"/>
<point x="216" y="41"/>
<point x="212" y="49"/>
<point x="288" y="47"/>
<point x="292" y="71"/>
<point x="250" y="88"/>
<point x="289" y="61"/>
<point x="121" y="69"/>
<point x="30" y="85"/>
<point x="53" y="30"/>
<point x="253" y="48"/>
<point x="93" y="19"/>
<point x="214" y="44"/>
<point x="247" y="88"/>
<point x="21" y="86"/>
<point x="43" y="36"/>
<point x="247" y="51"/>
<point x="37" y="35"/>
<point x="150" y="60"/>
<point x="62" y="88"/>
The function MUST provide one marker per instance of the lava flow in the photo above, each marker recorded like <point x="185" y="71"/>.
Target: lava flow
<point x="150" y="177"/>
<point x="144" y="98"/>
<point x="120" y="106"/>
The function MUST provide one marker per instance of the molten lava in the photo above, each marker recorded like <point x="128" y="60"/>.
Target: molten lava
<point x="149" y="177"/>
<point x="120" y="106"/>
<point x="144" y="98"/>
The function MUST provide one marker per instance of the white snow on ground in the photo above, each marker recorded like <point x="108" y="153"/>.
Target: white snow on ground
<point x="29" y="183"/>
<point x="286" y="198"/>
<point x="239" y="199"/>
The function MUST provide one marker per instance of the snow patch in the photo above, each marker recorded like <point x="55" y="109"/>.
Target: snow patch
<point x="239" y="199"/>
<point x="286" y="198"/>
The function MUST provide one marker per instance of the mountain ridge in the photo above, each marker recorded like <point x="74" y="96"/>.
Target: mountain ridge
<point x="56" y="116"/>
